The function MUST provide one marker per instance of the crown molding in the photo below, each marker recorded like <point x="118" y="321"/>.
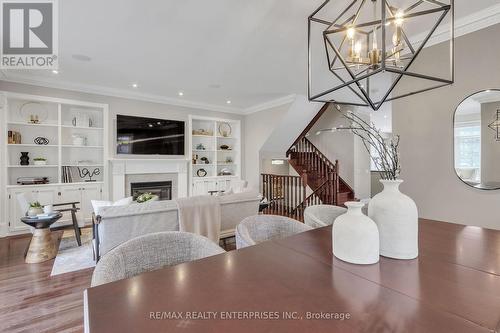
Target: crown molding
<point x="120" y="93"/>
<point x="463" y="26"/>
<point x="270" y="104"/>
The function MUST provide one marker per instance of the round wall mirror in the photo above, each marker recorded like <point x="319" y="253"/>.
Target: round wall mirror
<point x="477" y="140"/>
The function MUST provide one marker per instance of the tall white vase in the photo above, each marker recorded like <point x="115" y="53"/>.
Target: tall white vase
<point x="355" y="236"/>
<point x="397" y="219"/>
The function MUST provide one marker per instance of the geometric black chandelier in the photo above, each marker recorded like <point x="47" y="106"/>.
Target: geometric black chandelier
<point x="495" y="125"/>
<point x="371" y="51"/>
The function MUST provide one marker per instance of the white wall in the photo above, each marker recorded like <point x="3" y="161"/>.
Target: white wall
<point x="299" y="115"/>
<point x="425" y="123"/>
<point x="258" y="127"/>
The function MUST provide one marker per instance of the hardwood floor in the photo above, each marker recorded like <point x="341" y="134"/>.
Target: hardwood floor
<point x="32" y="301"/>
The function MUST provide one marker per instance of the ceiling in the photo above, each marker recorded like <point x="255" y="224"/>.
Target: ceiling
<point x="249" y="52"/>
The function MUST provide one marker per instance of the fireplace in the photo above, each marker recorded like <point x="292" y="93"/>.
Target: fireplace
<point x="163" y="189"/>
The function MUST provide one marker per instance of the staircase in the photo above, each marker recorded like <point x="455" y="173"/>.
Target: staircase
<point x="320" y="173"/>
<point x="287" y="195"/>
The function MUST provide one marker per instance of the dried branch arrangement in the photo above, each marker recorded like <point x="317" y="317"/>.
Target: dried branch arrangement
<point x="387" y="149"/>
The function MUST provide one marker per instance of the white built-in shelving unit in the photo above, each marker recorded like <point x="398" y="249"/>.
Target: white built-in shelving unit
<point x="60" y="120"/>
<point x="224" y="165"/>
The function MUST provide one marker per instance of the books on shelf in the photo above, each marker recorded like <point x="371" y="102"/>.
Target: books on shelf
<point x="13" y="137"/>
<point x="67" y="175"/>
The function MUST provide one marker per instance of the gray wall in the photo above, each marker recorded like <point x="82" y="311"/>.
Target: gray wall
<point x="258" y="128"/>
<point x="425" y="123"/>
<point x="335" y="145"/>
<point x="354" y="160"/>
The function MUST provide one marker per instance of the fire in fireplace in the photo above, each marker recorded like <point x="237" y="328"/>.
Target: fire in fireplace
<point x="162" y="189"/>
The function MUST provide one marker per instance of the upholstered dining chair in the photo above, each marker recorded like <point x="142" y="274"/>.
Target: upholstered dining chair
<point x="151" y="252"/>
<point x="260" y="228"/>
<point x="322" y="215"/>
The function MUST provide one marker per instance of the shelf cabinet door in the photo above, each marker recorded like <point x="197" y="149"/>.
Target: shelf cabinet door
<point x="82" y="194"/>
<point x="223" y="185"/>
<point x="15" y="211"/>
<point x="89" y="192"/>
<point x="43" y="195"/>
<point x="68" y="194"/>
<point x="201" y="187"/>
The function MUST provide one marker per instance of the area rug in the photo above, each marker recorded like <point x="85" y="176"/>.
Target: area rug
<point x="72" y="257"/>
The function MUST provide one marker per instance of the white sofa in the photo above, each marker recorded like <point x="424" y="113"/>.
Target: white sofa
<point x="117" y="224"/>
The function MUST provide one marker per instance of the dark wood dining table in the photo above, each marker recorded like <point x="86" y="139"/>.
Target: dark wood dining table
<point x="297" y="285"/>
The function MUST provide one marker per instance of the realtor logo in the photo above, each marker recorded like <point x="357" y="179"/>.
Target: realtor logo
<point x="29" y="34"/>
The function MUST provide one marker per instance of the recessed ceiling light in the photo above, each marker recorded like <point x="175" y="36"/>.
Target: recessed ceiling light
<point x="135" y="85"/>
<point x="81" y="57"/>
<point x="228" y="102"/>
<point x="55" y="71"/>
<point x="181" y="93"/>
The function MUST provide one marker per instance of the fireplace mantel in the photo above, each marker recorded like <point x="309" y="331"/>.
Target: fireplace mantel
<point x="120" y="168"/>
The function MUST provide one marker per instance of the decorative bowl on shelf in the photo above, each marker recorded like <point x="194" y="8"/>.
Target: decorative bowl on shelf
<point x="40" y="161"/>
<point x="225" y="172"/>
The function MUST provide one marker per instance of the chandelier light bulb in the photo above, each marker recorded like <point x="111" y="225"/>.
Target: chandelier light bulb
<point x="357" y="49"/>
<point x="351" y="32"/>
<point x="399" y="18"/>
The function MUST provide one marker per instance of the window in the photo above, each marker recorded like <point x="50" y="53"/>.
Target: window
<point x="468" y="149"/>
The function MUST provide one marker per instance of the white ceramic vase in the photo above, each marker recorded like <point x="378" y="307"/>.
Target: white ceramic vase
<point x="355" y="236"/>
<point x="396" y="216"/>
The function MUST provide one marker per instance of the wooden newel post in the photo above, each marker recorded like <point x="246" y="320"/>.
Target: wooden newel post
<point x="304" y="185"/>
<point x="336" y="183"/>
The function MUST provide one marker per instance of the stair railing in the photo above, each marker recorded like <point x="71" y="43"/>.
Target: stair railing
<point x="311" y="158"/>
<point x="325" y="194"/>
<point x="284" y="193"/>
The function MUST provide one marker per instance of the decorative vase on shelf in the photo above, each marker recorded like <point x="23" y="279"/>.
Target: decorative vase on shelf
<point x="396" y="216"/>
<point x="355" y="236"/>
<point x="25" y="159"/>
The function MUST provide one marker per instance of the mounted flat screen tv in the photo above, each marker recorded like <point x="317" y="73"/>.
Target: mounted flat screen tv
<point x="149" y="136"/>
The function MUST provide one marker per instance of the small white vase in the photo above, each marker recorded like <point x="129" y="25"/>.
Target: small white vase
<point x="355" y="236"/>
<point x="396" y="216"/>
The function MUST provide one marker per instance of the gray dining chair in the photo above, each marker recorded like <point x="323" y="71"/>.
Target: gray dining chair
<point x="318" y="216"/>
<point x="151" y="252"/>
<point x="260" y="228"/>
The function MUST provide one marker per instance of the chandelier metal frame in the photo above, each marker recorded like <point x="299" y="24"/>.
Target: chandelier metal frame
<point x="385" y="8"/>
